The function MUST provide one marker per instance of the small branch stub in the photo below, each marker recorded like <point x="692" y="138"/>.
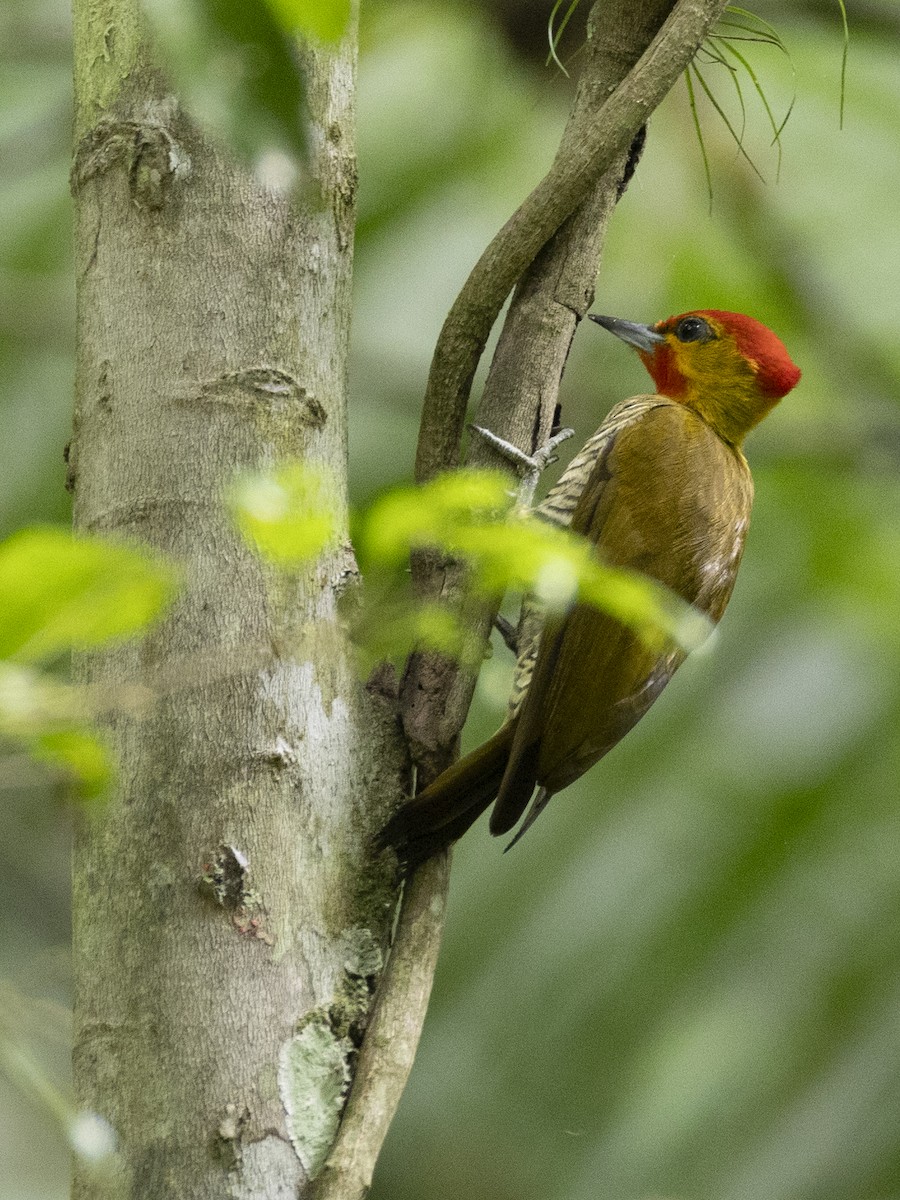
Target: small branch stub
<point x="146" y="148"/>
<point x="226" y="879"/>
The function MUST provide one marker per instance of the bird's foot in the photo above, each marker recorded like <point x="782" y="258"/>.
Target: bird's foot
<point x="529" y="466"/>
<point x="526" y="463"/>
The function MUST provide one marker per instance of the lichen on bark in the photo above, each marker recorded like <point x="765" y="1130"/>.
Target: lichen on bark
<point x="313" y="1077"/>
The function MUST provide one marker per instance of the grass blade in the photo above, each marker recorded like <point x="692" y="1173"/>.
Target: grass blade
<point x="776" y="129"/>
<point x="554" y="36"/>
<point x="842" y="6"/>
<point x="722" y="113"/>
<point x="767" y="28"/>
<point x="766" y="34"/>
<point x="736" y="37"/>
<point x="692" y="99"/>
<point x="720" y="58"/>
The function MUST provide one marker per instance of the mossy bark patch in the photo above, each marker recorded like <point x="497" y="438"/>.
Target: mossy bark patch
<point x="313" y="1077"/>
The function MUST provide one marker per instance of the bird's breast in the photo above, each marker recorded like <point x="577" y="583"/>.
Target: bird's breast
<point x="679" y="507"/>
<point x="717" y="517"/>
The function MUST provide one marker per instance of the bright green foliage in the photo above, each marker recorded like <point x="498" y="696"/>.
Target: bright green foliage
<point x="80" y="754"/>
<point x="323" y="19"/>
<point x="289" y="515"/>
<point x="48" y="719"/>
<point x="433" y="515"/>
<point x="60" y="593"/>
<point x="470" y="515"/>
<point x="236" y="70"/>
<point x="527" y="555"/>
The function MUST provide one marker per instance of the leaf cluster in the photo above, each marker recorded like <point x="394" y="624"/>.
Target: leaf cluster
<point x="738" y="28"/>
<point x="60" y="593"/>
<point x="466" y="517"/>
<point x="289" y="514"/>
<point x="236" y="66"/>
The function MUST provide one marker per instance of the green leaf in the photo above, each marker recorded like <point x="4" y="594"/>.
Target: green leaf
<point x="237" y="71"/>
<point x="656" y="614"/>
<point x="468" y="515"/>
<point x="59" y="592"/>
<point x="290" y="515"/>
<point x="410" y="518"/>
<point x="559" y="567"/>
<point x="323" y="19"/>
<point x="81" y="755"/>
<point x="47" y="718"/>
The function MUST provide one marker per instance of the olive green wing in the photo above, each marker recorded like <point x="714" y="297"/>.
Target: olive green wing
<point x="558" y="508"/>
<point x="656" y="502"/>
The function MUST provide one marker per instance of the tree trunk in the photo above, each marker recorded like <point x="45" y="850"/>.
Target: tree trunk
<point x="225" y="946"/>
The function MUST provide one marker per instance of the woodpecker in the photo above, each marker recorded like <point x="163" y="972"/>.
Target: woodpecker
<point x="662" y="488"/>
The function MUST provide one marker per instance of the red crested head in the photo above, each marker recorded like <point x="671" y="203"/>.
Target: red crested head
<point x="775" y="371"/>
<point x="727" y="367"/>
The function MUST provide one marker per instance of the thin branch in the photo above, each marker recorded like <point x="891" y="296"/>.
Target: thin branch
<point x="588" y="149"/>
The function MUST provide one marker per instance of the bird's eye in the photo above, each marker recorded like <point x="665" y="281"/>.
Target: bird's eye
<point x="693" y="329"/>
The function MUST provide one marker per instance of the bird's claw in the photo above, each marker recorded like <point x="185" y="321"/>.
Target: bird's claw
<point x="529" y="466"/>
<point x="526" y="463"/>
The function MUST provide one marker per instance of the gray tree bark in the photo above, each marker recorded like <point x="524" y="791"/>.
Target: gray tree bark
<point x="228" y="926"/>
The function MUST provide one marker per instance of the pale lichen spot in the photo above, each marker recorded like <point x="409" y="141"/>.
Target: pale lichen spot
<point x="313" y="1077"/>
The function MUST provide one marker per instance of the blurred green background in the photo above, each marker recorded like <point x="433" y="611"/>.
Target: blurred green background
<point x="684" y="984"/>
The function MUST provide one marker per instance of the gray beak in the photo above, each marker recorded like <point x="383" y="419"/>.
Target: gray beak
<point x="643" y="337"/>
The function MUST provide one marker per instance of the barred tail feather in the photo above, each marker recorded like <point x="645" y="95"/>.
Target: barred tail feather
<point x="516" y="787"/>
